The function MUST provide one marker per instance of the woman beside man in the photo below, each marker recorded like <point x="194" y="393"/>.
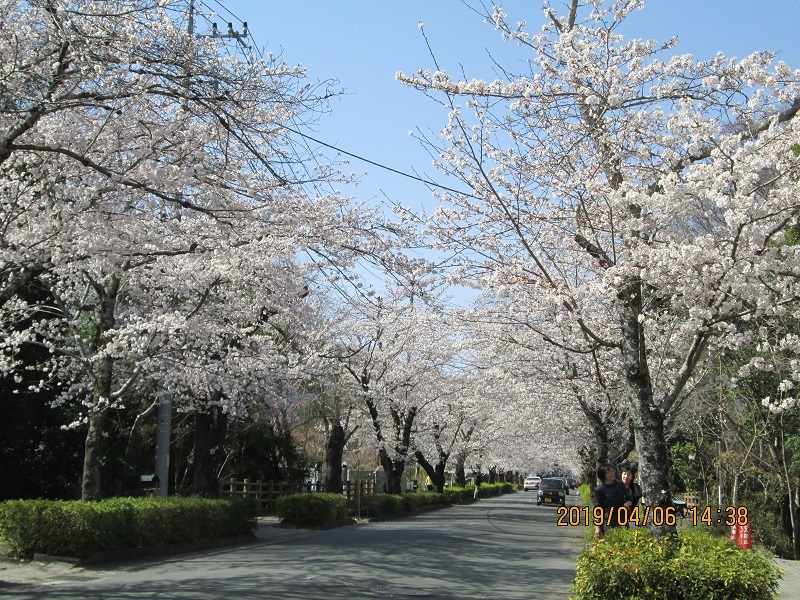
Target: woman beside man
<point x="613" y="495"/>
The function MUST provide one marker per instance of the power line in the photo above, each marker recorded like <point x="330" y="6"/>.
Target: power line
<point x="331" y="146"/>
<point x="377" y="164"/>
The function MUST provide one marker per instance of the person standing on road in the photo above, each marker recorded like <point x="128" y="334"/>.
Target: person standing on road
<point x="633" y="489"/>
<point x="611" y="495"/>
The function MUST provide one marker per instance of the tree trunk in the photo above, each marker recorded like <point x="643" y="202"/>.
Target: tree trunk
<point x="436" y="473"/>
<point x="393" y="466"/>
<point x="209" y="432"/>
<point x="94" y="447"/>
<point x="334" y="451"/>
<point x="795" y="529"/>
<point x="493" y="474"/>
<point x="653" y="465"/>
<point x="394" y="469"/>
<point x="460" y="470"/>
<point x="648" y="420"/>
<point x="93" y="455"/>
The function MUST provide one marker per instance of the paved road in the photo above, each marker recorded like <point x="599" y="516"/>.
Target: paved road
<point x="790" y="583"/>
<point x="500" y="548"/>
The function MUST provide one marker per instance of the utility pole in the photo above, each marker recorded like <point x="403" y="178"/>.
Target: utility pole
<point x="190" y="20"/>
<point x="231" y="34"/>
<point x="165" y="400"/>
<point x="719" y="442"/>
<point x="163" y="442"/>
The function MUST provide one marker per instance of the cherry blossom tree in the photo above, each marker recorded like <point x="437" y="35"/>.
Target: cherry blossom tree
<point x="393" y="347"/>
<point x="333" y="401"/>
<point x="532" y="415"/>
<point x="639" y="195"/>
<point x="564" y="384"/>
<point x="150" y="191"/>
<point x="445" y="428"/>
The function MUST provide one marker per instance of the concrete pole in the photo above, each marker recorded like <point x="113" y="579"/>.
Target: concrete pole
<point x="162" y="442"/>
<point x="190" y="23"/>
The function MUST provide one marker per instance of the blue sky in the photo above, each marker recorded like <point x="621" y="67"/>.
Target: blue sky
<point x="363" y="43"/>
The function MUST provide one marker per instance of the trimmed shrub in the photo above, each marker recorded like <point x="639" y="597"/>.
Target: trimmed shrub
<point x="492" y="489"/>
<point x="631" y="563"/>
<point x="383" y="505"/>
<point x="422" y="500"/>
<point x="81" y="529"/>
<point x="457" y="495"/>
<point x="311" y="510"/>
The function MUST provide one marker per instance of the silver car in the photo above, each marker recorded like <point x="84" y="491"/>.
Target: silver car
<point x="531" y="483"/>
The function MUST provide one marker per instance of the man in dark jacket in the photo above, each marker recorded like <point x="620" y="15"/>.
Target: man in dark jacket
<point x="610" y="495"/>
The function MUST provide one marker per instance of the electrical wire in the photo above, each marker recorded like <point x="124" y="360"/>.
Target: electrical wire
<point x="379" y="165"/>
<point x="306" y="136"/>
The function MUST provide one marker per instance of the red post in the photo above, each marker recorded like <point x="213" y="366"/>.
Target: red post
<point x="745" y="536"/>
<point x="734" y="537"/>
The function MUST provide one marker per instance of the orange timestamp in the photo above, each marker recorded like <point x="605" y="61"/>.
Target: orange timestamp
<point x="723" y="515"/>
<point x="573" y="516"/>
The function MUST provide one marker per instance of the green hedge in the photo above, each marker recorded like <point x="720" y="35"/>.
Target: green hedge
<point x="386" y="505"/>
<point x="631" y="563"/>
<point x="457" y="495"/>
<point x="81" y="529"/>
<point x="422" y="500"/>
<point x="311" y="509"/>
<point x="383" y="505"/>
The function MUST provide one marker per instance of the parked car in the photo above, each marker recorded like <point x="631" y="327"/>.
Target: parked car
<point x="552" y="491"/>
<point x="531" y="483"/>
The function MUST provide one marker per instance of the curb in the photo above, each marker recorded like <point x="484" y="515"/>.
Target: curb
<point x="128" y="554"/>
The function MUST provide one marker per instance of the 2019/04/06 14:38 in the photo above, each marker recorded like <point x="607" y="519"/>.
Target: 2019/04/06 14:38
<point x="573" y="516"/>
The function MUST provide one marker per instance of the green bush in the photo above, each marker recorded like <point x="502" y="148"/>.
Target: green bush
<point x="311" y="510"/>
<point x="81" y="529"/>
<point x="457" y="495"/>
<point x="383" y="505"/>
<point x="300" y="511"/>
<point x="631" y="563"/>
<point x="421" y="500"/>
<point x="585" y="492"/>
<point x="767" y="528"/>
<point x="491" y="489"/>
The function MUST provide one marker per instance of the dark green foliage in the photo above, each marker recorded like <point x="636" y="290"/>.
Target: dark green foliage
<point x="81" y="529"/>
<point x="387" y="505"/>
<point x="493" y="489"/>
<point x="684" y="476"/>
<point x="422" y="500"/>
<point x="630" y="563"/>
<point x="38" y="459"/>
<point x="267" y="450"/>
<point x="457" y="495"/>
<point x="383" y="505"/>
<point x="311" y="510"/>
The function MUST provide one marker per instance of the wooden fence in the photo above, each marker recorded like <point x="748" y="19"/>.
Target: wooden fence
<point x="692" y="498"/>
<point x="267" y="493"/>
